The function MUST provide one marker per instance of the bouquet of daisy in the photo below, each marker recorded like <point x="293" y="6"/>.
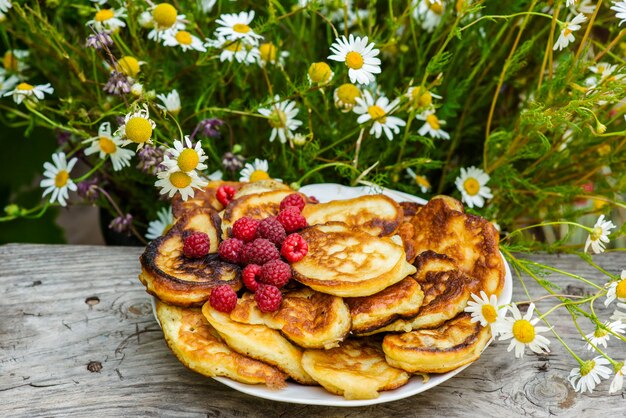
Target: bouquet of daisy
<point x="516" y="108"/>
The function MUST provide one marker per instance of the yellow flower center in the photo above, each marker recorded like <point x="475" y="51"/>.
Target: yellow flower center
<point x="377" y="113"/>
<point x="259" y="175"/>
<point x="523" y="331"/>
<point x="600" y="69"/>
<point x="278" y="119"/>
<point x="138" y="130"/>
<point x="433" y="121"/>
<point x="319" y="72"/>
<point x="24" y="86"/>
<point x="180" y="180"/>
<point x="9" y="61"/>
<point x="422" y="181"/>
<point x="267" y="52"/>
<point x="490" y="314"/>
<point x="188" y="159"/>
<point x="61" y="178"/>
<point x="348" y="93"/>
<point x="471" y="186"/>
<point x="620" y="289"/>
<point x="436" y="7"/>
<point x="354" y="60"/>
<point x="241" y="28"/>
<point x="587" y="367"/>
<point x="421" y="97"/>
<point x="107" y="145"/>
<point x="104" y="14"/>
<point x="165" y="15"/>
<point x="596" y="233"/>
<point x="128" y="65"/>
<point x="599" y="332"/>
<point x="567" y="31"/>
<point x="233" y="46"/>
<point x="183" y="37"/>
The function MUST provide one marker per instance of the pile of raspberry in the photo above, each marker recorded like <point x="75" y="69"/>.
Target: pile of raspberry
<point x="265" y="248"/>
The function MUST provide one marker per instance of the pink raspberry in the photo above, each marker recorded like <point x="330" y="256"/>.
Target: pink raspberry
<point x="259" y="251"/>
<point x="250" y="274"/>
<point x="268" y="298"/>
<point x="230" y="250"/>
<point x="223" y="298"/>
<point x="245" y="229"/>
<point x="196" y="245"/>
<point x="275" y="272"/>
<point x="294" y="248"/>
<point x="291" y="219"/>
<point x="271" y="229"/>
<point x="294" y="199"/>
<point x="225" y="194"/>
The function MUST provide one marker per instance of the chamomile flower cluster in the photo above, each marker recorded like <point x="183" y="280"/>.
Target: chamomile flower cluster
<point x="237" y="40"/>
<point x="184" y="163"/>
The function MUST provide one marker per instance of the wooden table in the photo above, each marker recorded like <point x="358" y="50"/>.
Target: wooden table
<point x="77" y="337"/>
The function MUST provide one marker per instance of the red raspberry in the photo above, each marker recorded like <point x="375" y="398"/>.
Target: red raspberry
<point x="245" y="229"/>
<point x="230" y="250"/>
<point x="271" y="229"/>
<point x="313" y="199"/>
<point x="250" y="273"/>
<point x="294" y="248"/>
<point x="293" y="199"/>
<point x="275" y="272"/>
<point x="225" y="194"/>
<point x="196" y="245"/>
<point x="259" y="251"/>
<point x="268" y="298"/>
<point x="291" y="219"/>
<point x="223" y="298"/>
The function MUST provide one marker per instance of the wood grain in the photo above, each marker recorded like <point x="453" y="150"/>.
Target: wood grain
<point x="77" y="338"/>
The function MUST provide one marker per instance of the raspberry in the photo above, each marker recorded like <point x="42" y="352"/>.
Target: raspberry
<point x="271" y="229"/>
<point x="291" y="219"/>
<point x="196" y="245"/>
<point x="293" y="199"/>
<point x="268" y="298"/>
<point x="275" y="272"/>
<point x="294" y="248"/>
<point x="313" y="199"/>
<point x="245" y="229"/>
<point x="230" y="250"/>
<point x="225" y="194"/>
<point x="250" y="273"/>
<point x="223" y="298"/>
<point x="259" y="251"/>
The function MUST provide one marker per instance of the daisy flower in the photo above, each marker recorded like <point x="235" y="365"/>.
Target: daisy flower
<point x="420" y="97"/>
<point x="235" y="27"/>
<point x="345" y="96"/>
<point x="523" y="332"/>
<point x="165" y="17"/>
<point x="7" y="83"/>
<point x="108" y="19"/>
<point x="620" y="8"/>
<point x="129" y="66"/>
<point x="378" y="111"/>
<point x="428" y="13"/>
<point x="319" y="73"/>
<point x="599" y="235"/>
<point x="182" y="182"/>
<point x="28" y="91"/>
<point x="58" y="180"/>
<point x="137" y="128"/>
<point x="472" y="185"/>
<point x="422" y="182"/>
<point x="14" y="61"/>
<point x="161" y="224"/>
<point x="566" y="36"/>
<point x="268" y="54"/>
<point x="237" y="50"/>
<point x="601" y="335"/>
<point x="171" y="102"/>
<point x="603" y="69"/>
<point x="137" y="89"/>
<point x="255" y="171"/>
<point x="587" y="376"/>
<point x="359" y="57"/>
<point x="108" y="145"/>
<point x="618" y="381"/>
<point x="432" y="125"/>
<point x="617" y="290"/>
<point x="344" y="13"/>
<point x="185" y="157"/>
<point x="281" y="117"/>
<point x="484" y="309"/>
<point x="184" y="39"/>
<point x="5" y="5"/>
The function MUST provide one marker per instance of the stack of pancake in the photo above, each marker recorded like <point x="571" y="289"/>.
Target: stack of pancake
<point x="379" y="296"/>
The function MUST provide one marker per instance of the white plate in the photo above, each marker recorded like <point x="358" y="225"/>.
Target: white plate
<point x="315" y="395"/>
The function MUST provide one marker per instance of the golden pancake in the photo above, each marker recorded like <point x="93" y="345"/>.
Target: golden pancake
<point x="178" y="280"/>
<point x="345" y="262"/>
<point x="452" y="345"/>
<point x="261" y="186"/>
<point x="259" y="342"/>
<point x="357" y="370"/>
<point x="306" y="317"/>
<point x="401" y="300"/>
<point x="377" y="215"/>
<point x="199" y="347"/>
<point x="409" y="210"/>
<point x="205" y="198"/>
<point x="472" y="241"/>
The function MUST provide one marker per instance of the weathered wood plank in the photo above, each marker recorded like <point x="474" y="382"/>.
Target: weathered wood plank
<point x="77" y="337"/>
